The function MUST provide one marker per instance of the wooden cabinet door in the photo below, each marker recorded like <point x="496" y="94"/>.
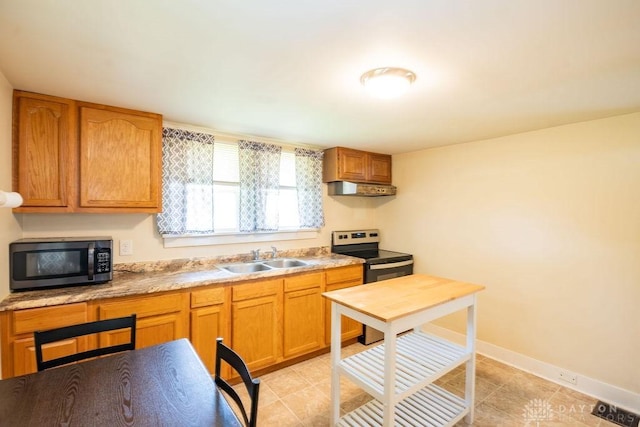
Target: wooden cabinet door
<point x="379" y="168"/>
<point x="18" y="350"/>
<point x="340" y="278"/>
<point x="24" y="357"/>
<point x="209" y="320"/>
<point x="24" y="353"/>
<point x="303" y="326"/>
<point x="349" y="327"/>
<point x="352" y="165"/>
<point x="255" y="333"/>
<point x="120" y="159"/>
<point x="303" y="315"/>
<point x="44" y="131"/>
<point x="256" y="323"/>
<point x="159" y="318"/>
<point x="154" y="330"/>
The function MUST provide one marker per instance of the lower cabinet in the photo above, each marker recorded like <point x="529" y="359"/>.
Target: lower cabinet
<point x="159" y="318"/>
<point x="265" y="321"/>
<point x="210" y="320"/>
<point x="276" y="320"/>
<point x="18" y="350"/>
<point x="340" y="278"/>
<point x="303" y="315"/>
<point x="256" y="316"/>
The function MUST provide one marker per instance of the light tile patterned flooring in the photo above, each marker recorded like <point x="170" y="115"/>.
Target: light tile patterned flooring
<point x="299" y="396"/>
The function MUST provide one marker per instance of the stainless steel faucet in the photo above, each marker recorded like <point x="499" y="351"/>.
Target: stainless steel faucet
<point x="274" y="252"/>
<point x="256" y="254"/>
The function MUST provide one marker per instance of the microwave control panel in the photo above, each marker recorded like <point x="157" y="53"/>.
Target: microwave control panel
<point x="103" y="260"/>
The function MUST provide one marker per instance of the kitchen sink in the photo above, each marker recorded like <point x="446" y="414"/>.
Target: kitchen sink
<point x="257" y="266"/>
<point x="249" y="267"/>
<point x="285" y="263"/>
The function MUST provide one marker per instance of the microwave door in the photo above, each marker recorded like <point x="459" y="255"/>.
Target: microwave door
<point x="51" y="266"/>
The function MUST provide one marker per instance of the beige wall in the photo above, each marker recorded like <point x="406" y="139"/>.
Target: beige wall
<point x="9" y="223"/>
<point x="549" y="221"/>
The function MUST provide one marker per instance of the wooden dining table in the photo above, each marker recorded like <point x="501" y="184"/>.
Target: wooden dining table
<point x="162" y="385"/>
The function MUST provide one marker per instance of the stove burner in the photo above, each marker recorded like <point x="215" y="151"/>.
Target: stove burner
<point x="364" y="244"/>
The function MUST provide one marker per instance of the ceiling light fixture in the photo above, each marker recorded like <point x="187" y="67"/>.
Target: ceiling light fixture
<point x="388" y="82"/>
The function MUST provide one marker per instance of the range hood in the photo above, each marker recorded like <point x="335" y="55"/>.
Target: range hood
<point x="344" y="188"/>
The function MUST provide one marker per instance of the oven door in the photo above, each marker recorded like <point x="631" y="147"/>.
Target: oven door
<point x="376" y="273"/>
<point x="389" y="270"/>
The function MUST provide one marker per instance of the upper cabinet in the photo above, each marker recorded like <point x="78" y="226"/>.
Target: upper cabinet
<point x="43" y="133"/>
<point x="346" y="164"/>
<point x="120" y="158"/>
<point x="72" y="156"/>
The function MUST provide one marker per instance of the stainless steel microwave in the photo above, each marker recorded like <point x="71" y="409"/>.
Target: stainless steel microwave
<point x="53" y="262"/>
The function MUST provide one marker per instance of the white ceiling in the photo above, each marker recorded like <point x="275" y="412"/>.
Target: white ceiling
<point x="290" y="69"/>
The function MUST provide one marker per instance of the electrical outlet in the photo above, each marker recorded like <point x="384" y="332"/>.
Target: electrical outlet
<point x="126" y="247"/>
<point x="569" y="377"/>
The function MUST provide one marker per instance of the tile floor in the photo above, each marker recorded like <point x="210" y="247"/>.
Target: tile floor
<point x="299" y="396"/>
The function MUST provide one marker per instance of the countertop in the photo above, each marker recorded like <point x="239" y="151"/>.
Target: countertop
<point x="161" y="276"/>
<point x="395" y="298"/>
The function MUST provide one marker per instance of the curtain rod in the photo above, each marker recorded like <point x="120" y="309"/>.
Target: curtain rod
<point x="237" y="136"/>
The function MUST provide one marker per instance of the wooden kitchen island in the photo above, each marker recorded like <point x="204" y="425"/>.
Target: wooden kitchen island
<point x="399" y="373"/>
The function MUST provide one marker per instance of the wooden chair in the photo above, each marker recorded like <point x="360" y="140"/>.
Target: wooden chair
<point x="253" y="385"/>
<point x="45" y="337"/>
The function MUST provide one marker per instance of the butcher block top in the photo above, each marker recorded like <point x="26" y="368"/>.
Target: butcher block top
<point x="391" y="299"/>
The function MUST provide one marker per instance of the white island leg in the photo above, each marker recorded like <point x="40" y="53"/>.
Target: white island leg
<point x="470" y="379"/>
<point x="336" y="338"/>
<point x="389" y="378"/>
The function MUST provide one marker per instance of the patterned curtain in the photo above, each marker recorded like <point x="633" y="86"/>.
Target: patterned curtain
<point x="187" y="180"/>
<point x="259" y="185"/>
<point x="309" y="185"/>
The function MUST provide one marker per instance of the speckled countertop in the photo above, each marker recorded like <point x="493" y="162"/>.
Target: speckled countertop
<point x="151" y="277"/>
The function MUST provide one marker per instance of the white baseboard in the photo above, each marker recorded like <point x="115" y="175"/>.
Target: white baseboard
<point x="605" y="392"/>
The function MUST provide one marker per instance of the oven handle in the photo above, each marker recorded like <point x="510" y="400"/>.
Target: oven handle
<point x="390" y="265"/>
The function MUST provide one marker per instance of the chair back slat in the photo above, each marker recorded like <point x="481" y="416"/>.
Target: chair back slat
<point x="252" y="384"/>
<point x="42" y="338"/>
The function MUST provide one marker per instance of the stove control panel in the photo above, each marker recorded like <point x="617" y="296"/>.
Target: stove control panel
<point x="351" y="237"/>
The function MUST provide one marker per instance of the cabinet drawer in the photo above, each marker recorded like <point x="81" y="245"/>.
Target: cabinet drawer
<point x="344" y="274"/>
<point x="207" y="297"/>
<point x="27" y="321"/>
<point x="142" y="307"/>
<point x="305" y="281"/>
<point x="256" y="289"/>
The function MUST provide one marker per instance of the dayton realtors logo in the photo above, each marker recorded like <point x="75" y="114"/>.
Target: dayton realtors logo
<point x="539" y="411"/>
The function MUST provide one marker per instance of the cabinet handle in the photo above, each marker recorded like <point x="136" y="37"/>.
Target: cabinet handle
<point x="90" y="255"/>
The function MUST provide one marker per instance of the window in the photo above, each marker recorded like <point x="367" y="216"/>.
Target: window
<point x="226" y="187"/>
<point x="289" y="218"/>
<point x="207" y="192"/>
